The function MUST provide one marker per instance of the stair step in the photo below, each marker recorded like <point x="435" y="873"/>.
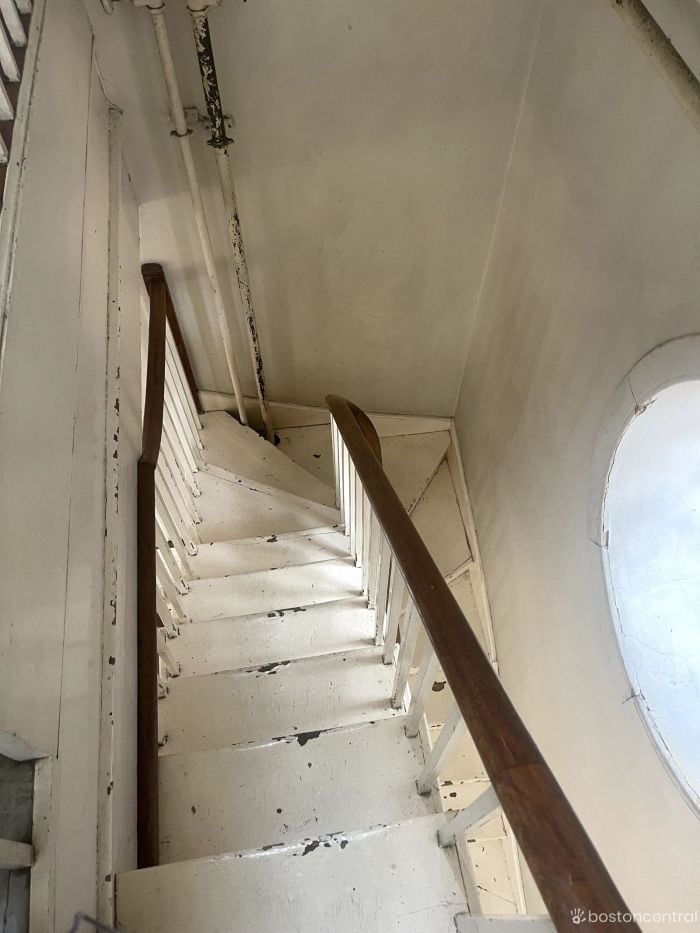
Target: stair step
<point x="231" y="708"/>
<point x="233" y="447"/>
<point x="393" y="877"/>
<point x="290" y="634"/>
<point x="322" y="782"/>
<point x="220" y="558"/>
<point x="270" y="590"/>
<point x="234" y="507"/>
<point x="467" y="923"/>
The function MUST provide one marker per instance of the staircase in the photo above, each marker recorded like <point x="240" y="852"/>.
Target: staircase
<point x="316" y="671"/>
<point x="288" y="793"/>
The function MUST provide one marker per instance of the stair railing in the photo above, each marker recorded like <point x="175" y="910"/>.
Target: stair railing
<point x="408" y="591"/>
<point x="167" y="533"/>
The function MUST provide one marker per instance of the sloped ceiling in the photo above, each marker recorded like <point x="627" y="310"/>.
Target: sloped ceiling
<point x="371" y="147"/>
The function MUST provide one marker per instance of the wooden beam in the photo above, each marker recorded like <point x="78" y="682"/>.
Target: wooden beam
<point x="15" y="855"/>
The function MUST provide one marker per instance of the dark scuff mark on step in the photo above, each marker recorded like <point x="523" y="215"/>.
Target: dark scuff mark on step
<point x="274" y="845"/>
<point x="272" y="539"/>
<point x="438" y="686"/>
<point x="305" y="737"/>
<point x="271" y="668"/>
<point x="193" y="809"/>
<point x="311" y="846"/>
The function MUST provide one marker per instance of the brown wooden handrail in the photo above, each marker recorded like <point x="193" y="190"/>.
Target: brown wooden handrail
<point x="153" y="271"/>
<point x="568" y="871"/>
<point x="146" y="614"/>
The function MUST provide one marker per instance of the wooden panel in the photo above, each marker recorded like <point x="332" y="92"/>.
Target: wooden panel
<point x="40" y="362"/>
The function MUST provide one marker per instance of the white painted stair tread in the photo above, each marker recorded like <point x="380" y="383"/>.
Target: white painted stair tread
<point x="219" y="558"/>
<point x="411" y="461"/>
<point x="268" y="590"/>
<point x="230" y="509"/>
<point x="252" y="640"/>
<point x="468" y="923"/>
<point x="219" y="710"/>
<point x="231" y="446"/>
<point x="394" y="877"/>
<point x="226" y="800"/>
<point x="439" y="522"/>
<point x="311" y="448"/>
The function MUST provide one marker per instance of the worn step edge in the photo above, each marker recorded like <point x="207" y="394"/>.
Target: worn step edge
<point x="310" y="843"/>
<point x="236" y="479"/>
<point x="272" y="666"/>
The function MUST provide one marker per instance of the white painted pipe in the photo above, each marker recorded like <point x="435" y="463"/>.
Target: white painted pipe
<point x="666" y="59"/>
<point x="228" y="193"/>
<point x="199" y="10"/>
<point x="183" y="136"/>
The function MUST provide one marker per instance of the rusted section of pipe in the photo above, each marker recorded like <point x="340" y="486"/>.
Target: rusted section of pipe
<point x="156" y="8"/>
<point x="220" y="142"/>
<point x="665" y="57"/>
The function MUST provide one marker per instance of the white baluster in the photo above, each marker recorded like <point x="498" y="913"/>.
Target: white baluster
<point x="427" y="672"/>
<point x="181" y="427"/>
<point x="367" y="528"/>
<point x="166" y="655"/>
<point x="182" y="385"/>
<point x="471" y="817"/>
<point x="451" y="735"/>
<point x="166" y="554"/>
<point x="8" y="62"/>
<point x="336" y="461"/>
<point x="359" y="520"/>
<point x="166" y="615"/>
<point x="397" y="594"/>
<point x="409" y="640"/>
<point x="166" y="507"/>
<point x="182" y="502"/>
<point x="346" y="490"/>
<point x="168" y="587"/>
<point x="13" y="23"/>
<point x="172" y="535"/>
<point x="352" y="509"/>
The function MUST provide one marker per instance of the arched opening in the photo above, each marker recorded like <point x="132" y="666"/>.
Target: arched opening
<point x="652" y="533"/>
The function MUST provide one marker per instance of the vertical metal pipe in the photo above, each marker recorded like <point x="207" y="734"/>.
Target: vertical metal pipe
<point x="183" y="136"/>
<point x="220" y="142"/>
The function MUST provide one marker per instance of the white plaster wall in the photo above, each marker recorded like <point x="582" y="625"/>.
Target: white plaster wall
<point x="52" y="465"/>
<point x="595" y="261"/>
<point x="371" y="141"/>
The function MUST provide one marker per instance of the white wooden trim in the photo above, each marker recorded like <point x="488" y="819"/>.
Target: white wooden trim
<point x="471" y="817"/>
<point x="15" y="855"/>
<point x="453" y="731"/>
<point x="427" y="672"/>
<point x="476" y="570"/>
<point x="409" y="640"/>
<point x="165" y="654"/>
<point x="396" y="598"/>
<point x="166" y="616"/>
<point x="41" y="880"/>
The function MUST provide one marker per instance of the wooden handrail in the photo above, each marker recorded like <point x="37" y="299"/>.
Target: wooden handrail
<point x="569" y="873"/>
<point x="146" y="614"/>
<point x="153" y="271"/>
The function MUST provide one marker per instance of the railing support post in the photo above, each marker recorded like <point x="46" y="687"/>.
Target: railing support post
<point x="147" y="679"/>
